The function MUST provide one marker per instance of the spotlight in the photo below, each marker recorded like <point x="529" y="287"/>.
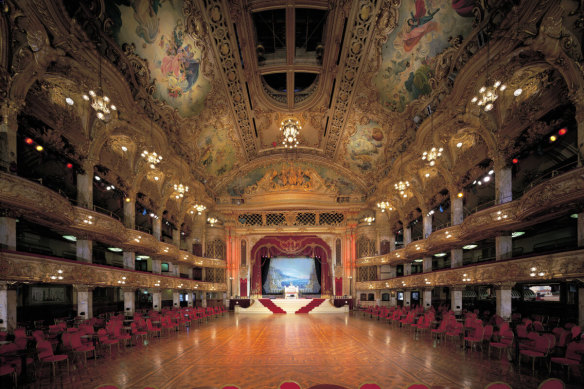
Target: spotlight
<point x="28" y="141"/>
<point x="459" y="144"/>
<point x="460" y="195"/>
<point x="553" y="138"/>
<point x="128" y="199"/>
<point x="69" y="165"/>
<point x="515" y="161"/>
<point x="39" y="148"/>
<point x="563" y="131"/>
<point x="69" y="101"/>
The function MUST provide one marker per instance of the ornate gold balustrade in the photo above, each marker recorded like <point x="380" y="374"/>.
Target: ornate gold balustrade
<point x="555" y="266"/>
<point x="542" y="202"/>
<point x="46" y="207"/>
<point x="20" y="267"/>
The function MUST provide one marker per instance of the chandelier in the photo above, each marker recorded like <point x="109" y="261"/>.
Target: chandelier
<point x="383" y="205"/>
<point x="401" y="188"/>
<point x="199" y="208"/>
<point x="290" y="129"/>
<point x="212" y="221"/>
<point x="369" y="219"/>
<point x="151" y="158"/>
<point x="432" y="155"/>
<point x="180" y="190"/>
<point x="488" y="95"/>
<point x="100" y="103"/>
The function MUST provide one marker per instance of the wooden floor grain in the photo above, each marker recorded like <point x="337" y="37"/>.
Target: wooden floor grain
<point x="261" y="351"/>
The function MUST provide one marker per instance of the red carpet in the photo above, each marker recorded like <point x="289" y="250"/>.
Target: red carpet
<point x="311" y="305"/>
<point x="271" y="306"/>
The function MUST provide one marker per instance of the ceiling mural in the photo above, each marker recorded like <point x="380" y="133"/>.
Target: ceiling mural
<point x="156" y="29"/>
<point x="217" y="150"/>
<point x="426" y="28"/>
<point x="364" y="147"/>
<point x="343" y="184"/>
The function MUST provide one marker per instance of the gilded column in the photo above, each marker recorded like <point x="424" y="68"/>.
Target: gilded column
<point x="8" y="304"/>
<point x="84" y="300"/>
<point x="503" y="295"/>
<point x="427" y="261"/>
<point x="456" y="218"/>
<point x="129" y="301"/>
<point x="456" y="298"/>
<point x="503" y="194"/>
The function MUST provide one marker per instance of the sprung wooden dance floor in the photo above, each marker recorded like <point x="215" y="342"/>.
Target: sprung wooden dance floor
<point x="261" y="351"/>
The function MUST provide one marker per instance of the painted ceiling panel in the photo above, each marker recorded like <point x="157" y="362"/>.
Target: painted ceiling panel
<point x="425" y="29"/>
<point x="156" y="30"/>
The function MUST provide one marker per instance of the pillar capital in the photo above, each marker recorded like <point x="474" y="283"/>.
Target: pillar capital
<point x="8" y="285"/>
<point x="504" y="285"/>
<point x="83" y="288"/>
<point x="128" y="289"/>
<point x="457" y="288"/>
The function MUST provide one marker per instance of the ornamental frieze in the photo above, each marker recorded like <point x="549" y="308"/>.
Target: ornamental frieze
<point x="554" y="266"/>
<point x="25" y="268"/>
<point x="98" y="226"/>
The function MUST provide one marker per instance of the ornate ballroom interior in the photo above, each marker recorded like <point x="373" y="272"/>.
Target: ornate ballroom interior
<point x="423" y="153"/>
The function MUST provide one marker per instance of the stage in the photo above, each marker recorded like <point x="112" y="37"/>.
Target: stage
<point x="291" y="306"/>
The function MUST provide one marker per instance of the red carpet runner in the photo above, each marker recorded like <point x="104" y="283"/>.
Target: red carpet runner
<point x="310" y="306"/>
<point x="271" y="306"/>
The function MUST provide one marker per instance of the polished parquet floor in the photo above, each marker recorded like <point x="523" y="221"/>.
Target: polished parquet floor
<point x="261" y="351"/>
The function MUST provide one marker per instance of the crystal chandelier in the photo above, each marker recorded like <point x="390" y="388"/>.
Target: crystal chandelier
<point x="180" y="190"/>
<point x="369" y="219"/>
<point x="488" y="95"/>
<point x="432" y="155"/>
<point x="401" y="188"/>
<point x="199" y="208"/>
<point x="152" y="158"/>
<point x="383" y="205"/>
<point x="212" y="221"/>
<point x="99" y="101"/>
<point x="290" y="129"/>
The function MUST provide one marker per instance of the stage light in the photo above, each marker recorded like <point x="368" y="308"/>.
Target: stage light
<point x="28" y="141"/>
<point x="39" y="148"/>
<point x="460" y="195"/>
<point x="553" y="138"/>
<point x="515" y="161"/>
<point x="563" y="131"/>
<point x="69" y="165"/>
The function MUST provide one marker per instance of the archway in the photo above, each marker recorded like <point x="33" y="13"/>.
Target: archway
<point x="289" y="246"/>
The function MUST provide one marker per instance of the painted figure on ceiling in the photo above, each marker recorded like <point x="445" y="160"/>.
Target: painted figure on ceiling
<point x="421" y="23"/>
<point x="179" y="65"/>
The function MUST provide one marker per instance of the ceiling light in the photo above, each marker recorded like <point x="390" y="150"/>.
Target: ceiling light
<point x="518" y="92"/>
<point x="487" y="179"/>
<point x="488" y="95"/>
<point x="290" y="129"/>
<point x="459" y="144"/>
<point x="418" y="260"/>
<point x="70" y="238"/>
<point x="69" y="101"/>
<point x="432" y="155"/>
<point x="180" y="190"/>
<point x="574" y="216"/>
<point x="115" y="249"/>
<point x="156" y="178"/>
<point x="212" y="221"/>
<point x="427" y="175"/>
<point x="532" y="274"/>
<point x="460" y="195"/>
<point x="39" y="148"/>
<point x="491" y="172"/>
<point x="383" y="205"/>
<point x="541" y="274"/>
<point x="200" y="208"/>
<point x="100" y="103"/>
<point x="533" y="269"/>
<point x="469" y="246"/>
<point x="28" y="141"/>
<point x="562" y="131"/>
<point x="151" y="158"/>
<point x="517" y="234"/>
<point x="124" y="148"/>
<point x="439" y="255"/>
<point x="369" y="219"/>
<point x="97" y="178"/>
<point x="553" y="138"/>
<point x="401" y="187"/>
<point x="140" y="257"/>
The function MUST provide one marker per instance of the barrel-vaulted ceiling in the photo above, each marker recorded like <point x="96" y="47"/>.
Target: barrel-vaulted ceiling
<point x="228" y="72"/>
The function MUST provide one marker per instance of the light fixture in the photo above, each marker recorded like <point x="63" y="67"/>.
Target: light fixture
<point x="418" y="260"/>
<point x="59" y="275"/>
<point x="501" y="215"/>
<point x="39" y="148"/>
<point x="97" y="178"/>
<point x="156" y="178"/>
<point x="69" y="101"/>
<point x="465" y="278"/>
<point x="152" y="158"/>
<point x="518" y="92"/>
<point x="469" y="246"/>
<point x="124" y="148"/>
<point x="459" y="144"/>
<point x="488" y="95"/>
<point x="70" y="238"/>
<point x="491" y="172"/>
<point x="98" y="100"/>
<point x="553" y="138"/>
<point x="128" y="199"/>
<point x="383" y="205"/>
<point x="180" y="190"/>
<point x="115" y="249"/>
<point x="212" y="221"/>
<point x="401" y="188"/>
<point x="439" y="255"/>
<point x="432" y="155"/>
<point x="290" y="129"/>
<point x="140" y="257"/>
<point x="574" y="216"/>
<point x="88" y="220"/>
<point x="517" y="234"/>
<point x="562" y="131"/>
<point x="487" y="179"/>
<point x="199" y="208"/>
<point x="460" y="195"/>
<point x="369" y="219"/>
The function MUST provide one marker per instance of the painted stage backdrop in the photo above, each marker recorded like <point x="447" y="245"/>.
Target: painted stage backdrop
<point x="298" y="272"/>
<point x="425" y="29"/>
<point x="156" y="29"/>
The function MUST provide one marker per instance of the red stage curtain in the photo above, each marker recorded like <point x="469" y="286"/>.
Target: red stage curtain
<point x="338" y="286"/>
<point x="243" y="287"/>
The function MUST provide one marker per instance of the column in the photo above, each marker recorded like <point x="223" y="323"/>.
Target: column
<point x="427" y="298"/>
<point x="503" y="194"/>
<point x="84" y="301"/>
<point x="130" y="212"/>
<point x="8" y="232"/>
<point x="392" y="242"/>
<point x="427" y="261"/>
<point x="85" y="187"/>
<point x="203" y="274"/>
<point x="129" y="301"/>
<point x="503" y="296"/>
<point x="84" y="250"/>
<point x="129" y="260"/>
<point x="407" y="235"/>
<point x="156" y="266"/>
<point x="581" y="305"/>
<point x="173" y="269"/>
<point x="393" y="298"/>
<point x="580" y="228"/>
<point x="204" y="299"/>
<point x="8" y="303"/>
<point x="176" y="238"/>
<point x="407" y="269"/>
<point x="176" y="299"/>
<point x="156" y="300"/>
<point x="456" y="218"/>
<point x="407" y="298"/>
<point x="191" y="297"/>
<point x="456" y="299"/>
<point x="157" y="227"/>
<point x="9" y="133"/>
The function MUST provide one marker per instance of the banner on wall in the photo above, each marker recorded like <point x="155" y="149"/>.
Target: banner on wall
<point x="338" y="286"/>
<point x="243" y="287"/>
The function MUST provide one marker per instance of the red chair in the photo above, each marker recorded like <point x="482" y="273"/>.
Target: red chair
<point x="80" y="348"/>
<point x="540" y="349"/>
<point x="369" y="385"/>
<point x="572" y="357"/>
<point x="138" y="333"/>
<point x="104" y="340"/>
<point x="7" y="370"/>
<point x="552" y="383"/>
<point x="289" y="385"/>
<point x="230" y="387"/>
<point x="418" y="386"/>
<point x="45" y="355"/>
<point x="498" y="385"/>
<point x="476" y="338"/>
<point x="441" y="330"/>
<point x="152" y="329"/>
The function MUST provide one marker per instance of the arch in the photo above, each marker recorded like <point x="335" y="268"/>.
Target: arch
<point x="289" y="246"/>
